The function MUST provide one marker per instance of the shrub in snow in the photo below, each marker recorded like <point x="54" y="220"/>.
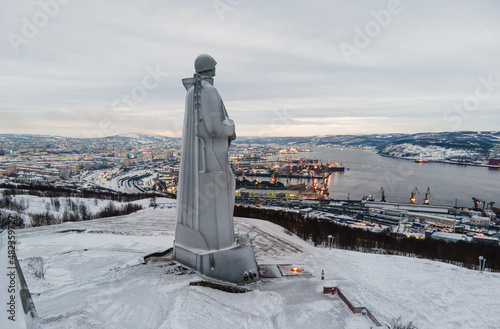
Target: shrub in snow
<point x="111" y="210"/>
<point x="8" y="202"/>
<point x="43" y="219"/>
<point x="399" y="324"/>
<point x="84" y="212"/>
<point x="35" y="266"/>
<point x="10" y="220"/>
<point x="55" y="203"/>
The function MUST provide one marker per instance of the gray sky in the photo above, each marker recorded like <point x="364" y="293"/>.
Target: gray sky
<point x="285" y="68"/>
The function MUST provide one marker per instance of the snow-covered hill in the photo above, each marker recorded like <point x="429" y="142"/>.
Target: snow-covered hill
<point x="140" y="138"/>
<point x="444" y="145"/>
<point x="435" y="146"/>
<point x="94" y="279"/>
<point x="438" y="146"/>
<point x="429" y="152"/>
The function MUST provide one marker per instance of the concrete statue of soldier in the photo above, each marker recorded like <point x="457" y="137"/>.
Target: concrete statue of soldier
<point x="204" y="236"/>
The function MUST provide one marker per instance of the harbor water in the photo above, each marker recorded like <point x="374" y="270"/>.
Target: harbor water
<point x="366" y="172"/>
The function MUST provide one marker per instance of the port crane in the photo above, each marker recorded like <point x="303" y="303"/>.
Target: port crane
<point x="276" y="175"/>
<point x="323" y="186"/>
<point x="426" y="200"/>
<point x="412" y="198"/>
<point x="383" y="194"/>
<point x="477" y="203"/>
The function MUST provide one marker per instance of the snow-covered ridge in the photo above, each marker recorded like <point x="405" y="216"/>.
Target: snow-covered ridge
<point x="470" y="145"/>
<point x="141" y="136"/>
<point x="431" y="152"/>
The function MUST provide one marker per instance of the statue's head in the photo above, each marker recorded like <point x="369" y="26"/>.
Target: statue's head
<point x="205" y="65"/>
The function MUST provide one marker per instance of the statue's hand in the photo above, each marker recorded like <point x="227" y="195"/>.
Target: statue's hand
<point x="228" y="122"/>
<point x="231" y="138"/>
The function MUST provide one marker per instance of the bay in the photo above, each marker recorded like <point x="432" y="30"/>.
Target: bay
<point x="366" y="172"/>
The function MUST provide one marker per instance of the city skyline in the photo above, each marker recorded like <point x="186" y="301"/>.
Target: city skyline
<point x="92" y="70"/>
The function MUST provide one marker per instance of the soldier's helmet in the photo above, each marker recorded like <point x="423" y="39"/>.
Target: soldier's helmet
<point x="204" y="63"/>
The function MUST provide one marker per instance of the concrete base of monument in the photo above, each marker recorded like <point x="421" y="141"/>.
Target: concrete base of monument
<point x="236" y="264"/>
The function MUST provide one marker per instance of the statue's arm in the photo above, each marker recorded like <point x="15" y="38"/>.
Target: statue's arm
<point x="219" y="125"/>
<point x="233" y="136"/>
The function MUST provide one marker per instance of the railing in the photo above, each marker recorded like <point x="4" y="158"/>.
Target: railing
<point x="32" y="321"/>
<point x="361" y="309"/>
<point x="20" y="292"/>
<point x="165" y="205"/>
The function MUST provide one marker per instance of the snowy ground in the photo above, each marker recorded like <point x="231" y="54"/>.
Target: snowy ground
<point x="41" y="205"/>
<point x="94" y="279"/>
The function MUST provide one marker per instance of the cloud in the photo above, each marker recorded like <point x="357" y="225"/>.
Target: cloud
<point x="272" y="57"/>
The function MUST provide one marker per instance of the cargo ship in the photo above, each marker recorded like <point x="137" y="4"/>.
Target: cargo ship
<point x="309" y="165"/>
<point x="288" y="168"/>
<point x="335" y="166"/>
<point x="494" y="162"/>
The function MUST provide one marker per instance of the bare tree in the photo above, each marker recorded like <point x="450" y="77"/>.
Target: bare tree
<point x="84" y="212"/>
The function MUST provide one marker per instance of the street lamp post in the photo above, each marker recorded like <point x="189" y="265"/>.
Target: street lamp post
<point x="482" y="260"/>
<point x="455" y="217"/>
<point x="348" y="203"/>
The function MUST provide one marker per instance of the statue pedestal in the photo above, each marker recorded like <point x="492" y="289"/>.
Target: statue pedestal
<point x="235" y="264"/>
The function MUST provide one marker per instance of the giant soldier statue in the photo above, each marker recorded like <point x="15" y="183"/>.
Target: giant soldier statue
<point x="204" y="235"/>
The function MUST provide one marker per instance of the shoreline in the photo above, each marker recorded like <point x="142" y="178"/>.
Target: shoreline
<point x="442" y="161"/>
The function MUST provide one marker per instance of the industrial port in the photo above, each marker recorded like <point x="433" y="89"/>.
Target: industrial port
<point x="267" y="176"/>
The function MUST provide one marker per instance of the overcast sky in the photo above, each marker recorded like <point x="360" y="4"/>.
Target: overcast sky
<point x="285" y="68"/>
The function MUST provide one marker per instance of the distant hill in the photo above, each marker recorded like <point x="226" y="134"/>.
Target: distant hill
<point x="437" y="146"/>
<point x="332" y="140"/>
<point x="140" y="138"/>
<point x="444" y="145"/>
<point x="29" y="137"/>
<point x="376" y="140"/>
